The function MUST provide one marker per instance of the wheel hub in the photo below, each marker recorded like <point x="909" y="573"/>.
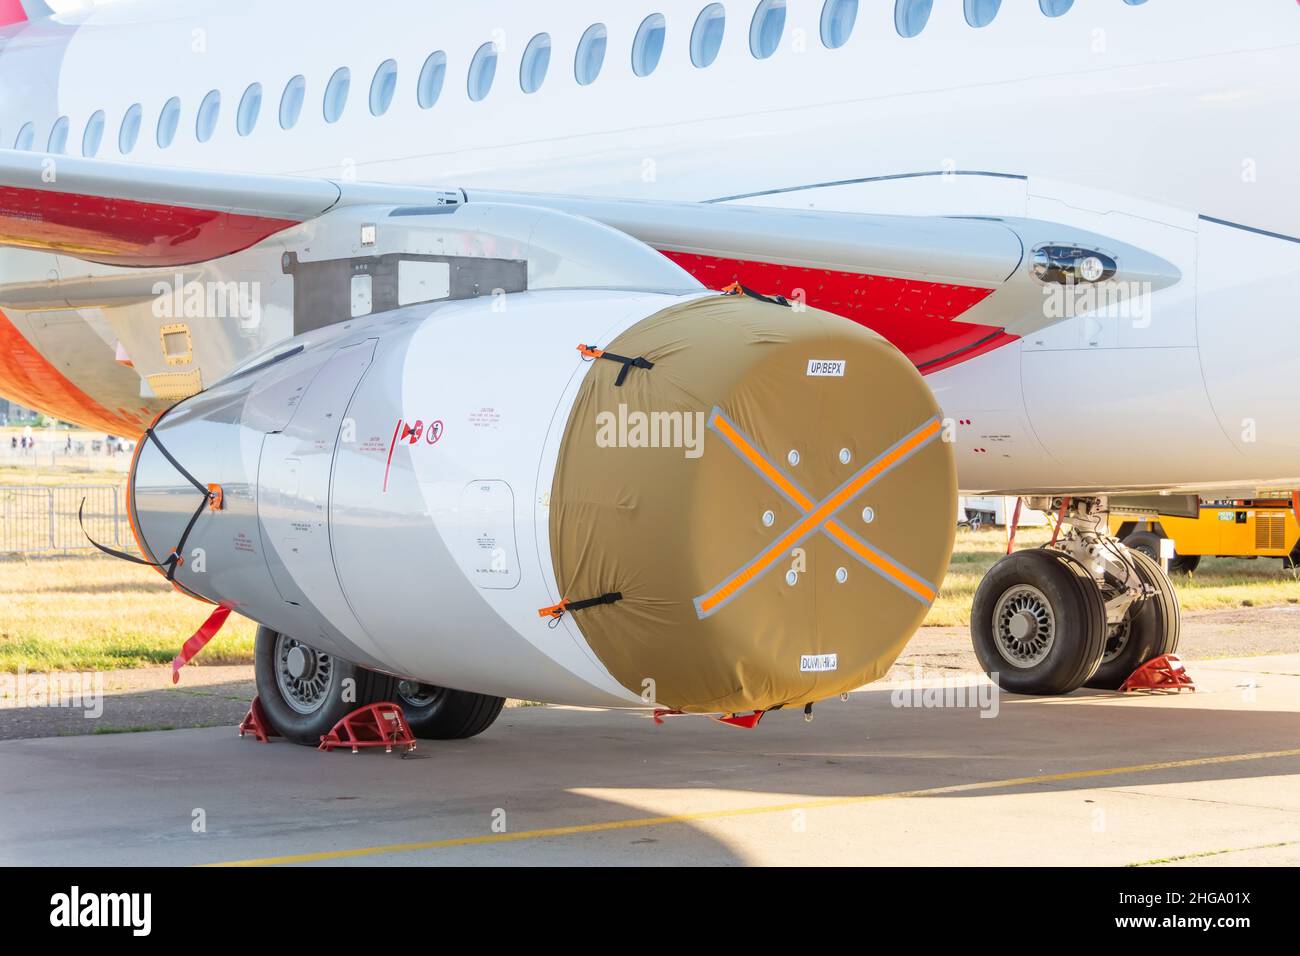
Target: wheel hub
<point x="416" y="694"/>
<point x="300" y="663"/>
<point x="1118" y="639"/>
<point x="1024" y="626"/>
<point x="302" y="674"/>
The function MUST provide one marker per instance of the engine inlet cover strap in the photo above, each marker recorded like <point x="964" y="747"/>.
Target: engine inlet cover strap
<point x="590" y="352"/>
<point x="213" y="499"/>
<point x="737" y="289"/>
<point x="556" y="611"/>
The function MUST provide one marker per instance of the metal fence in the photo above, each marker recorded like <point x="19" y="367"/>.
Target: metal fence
<point x="38" y="519"/>
<point x="83" y="455"/>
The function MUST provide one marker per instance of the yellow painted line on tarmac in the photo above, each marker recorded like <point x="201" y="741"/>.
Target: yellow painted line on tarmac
<point x="677" y="818"/>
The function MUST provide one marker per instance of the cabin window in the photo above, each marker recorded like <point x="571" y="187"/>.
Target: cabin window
<point x="382" y="88"/>
<point x="911" y="16"/>
<point x="129" y="133"/>
<point x="980" y="13"/>
<point x="58" y="141"/>
<point x="648" y="46"/>
<point x="93" y="135"/>
<point x="250" y="107"/>
<point x="591" y="54"/>
<point x="291" y="102"/>
<point x="536" y="61"/>
<point x="429" y="86"/>
<point x="482" y="71"/>
<point x="706" y="35"/>
<point x="767" y="28"/>
<point x="336" y="94"/>
<point x="205" y="124"/>
<point x="838" y="17"/>
<point x="168" y="122"/>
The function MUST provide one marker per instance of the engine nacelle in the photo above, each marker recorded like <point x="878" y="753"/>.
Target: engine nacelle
<point x="761" y="506"/>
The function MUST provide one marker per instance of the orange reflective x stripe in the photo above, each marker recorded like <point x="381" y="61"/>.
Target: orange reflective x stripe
<point x="870" y="556"/>
<point x="845" y="538"/>
<point x="819" y="516"/>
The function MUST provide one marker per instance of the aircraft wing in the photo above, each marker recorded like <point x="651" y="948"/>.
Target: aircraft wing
<point x="125" y="214"/>
<point x="943" y="289"/>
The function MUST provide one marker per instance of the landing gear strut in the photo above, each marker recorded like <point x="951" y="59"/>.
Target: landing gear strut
<point x="1081" y="610"/>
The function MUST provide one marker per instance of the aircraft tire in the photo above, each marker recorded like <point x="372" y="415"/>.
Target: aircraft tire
<point x="439" y="713"/>
<point x="1148" y="543"/>
<point x="1038" y="623"/>
<point x="1151" y="629"/>
<point x="304" y="698"/>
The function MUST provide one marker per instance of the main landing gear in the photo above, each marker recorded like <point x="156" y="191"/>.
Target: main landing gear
<point x="305" y="692"/>
<point x="1081" y="610"/>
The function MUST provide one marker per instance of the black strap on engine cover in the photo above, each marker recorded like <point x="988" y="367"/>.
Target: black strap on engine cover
<point x="628" y="363"/>
<point x="149" y="434"/>
<point x="176" y="558"/>
<point x="737" y="289"/>
<point x="594" y="602"/>
<point x="556" y="611"/>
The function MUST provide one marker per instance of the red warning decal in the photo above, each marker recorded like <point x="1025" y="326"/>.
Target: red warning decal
<point x="411" y="433"/>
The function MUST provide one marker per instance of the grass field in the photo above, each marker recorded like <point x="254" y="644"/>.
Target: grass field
<point x="87" y="613"/>
<point x="99" y="613"/>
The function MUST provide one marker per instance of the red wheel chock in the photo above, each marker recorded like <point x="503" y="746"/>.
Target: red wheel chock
<point x="255" y="723"/>
<point x="1165" y="672"/>
<point x="747" y="721"/>
<point x="374" y="725"/>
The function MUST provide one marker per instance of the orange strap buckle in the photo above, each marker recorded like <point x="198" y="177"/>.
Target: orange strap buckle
<point x="589" y="351"/>
<point x="216" y="498"/>
<point x="555" y="610"/>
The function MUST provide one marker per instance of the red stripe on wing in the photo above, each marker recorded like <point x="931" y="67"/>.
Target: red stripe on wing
<point x="125" y="232"/>
<point x="916" y="316"/>
<point x="11" y="11"/>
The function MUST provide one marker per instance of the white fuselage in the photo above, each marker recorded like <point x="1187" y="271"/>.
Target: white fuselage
<point x="1166" y="125"/>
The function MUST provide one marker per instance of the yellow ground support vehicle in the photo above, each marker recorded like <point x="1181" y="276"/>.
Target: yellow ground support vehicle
<point x="1236" y="528"/>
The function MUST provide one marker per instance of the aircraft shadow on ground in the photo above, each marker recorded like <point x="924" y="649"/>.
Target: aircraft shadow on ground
<point x="566" y="767"/>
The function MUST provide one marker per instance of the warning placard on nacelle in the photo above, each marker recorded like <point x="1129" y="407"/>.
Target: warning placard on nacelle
<point x="486" y="550"/>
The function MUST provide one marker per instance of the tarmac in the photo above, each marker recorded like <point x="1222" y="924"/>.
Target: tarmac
<point x="893" y="775"/>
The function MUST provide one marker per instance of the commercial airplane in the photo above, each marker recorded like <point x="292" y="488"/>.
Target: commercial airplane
<point x="633" y="354"/>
